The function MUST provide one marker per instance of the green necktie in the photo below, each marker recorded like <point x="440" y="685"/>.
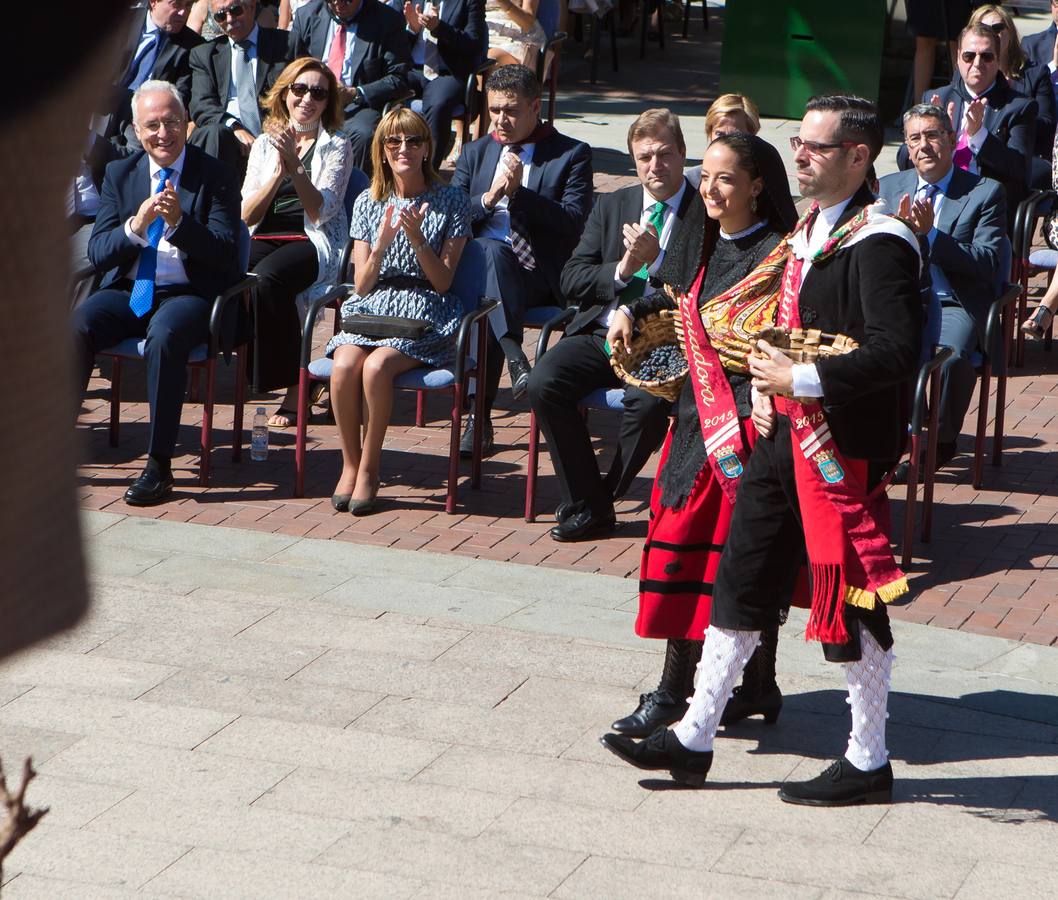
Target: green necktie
<point x="635" y="288"/>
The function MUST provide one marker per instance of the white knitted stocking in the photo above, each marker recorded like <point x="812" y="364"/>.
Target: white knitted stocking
<point x="868" y="681"/>
<point x="724" y="656"/>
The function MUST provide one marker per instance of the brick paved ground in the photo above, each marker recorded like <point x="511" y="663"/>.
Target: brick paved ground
<point x="992" y="567"/>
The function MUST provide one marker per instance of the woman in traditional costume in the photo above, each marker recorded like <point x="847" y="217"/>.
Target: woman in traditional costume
<point x="735" y="232"/>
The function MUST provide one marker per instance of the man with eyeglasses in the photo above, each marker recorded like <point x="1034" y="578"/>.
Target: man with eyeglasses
<point x="995" y="128"/>
<point x="961" y="217"/>
<point x="365" y="44"/>
<point x="230" y="75"/>
<point x="852" y="271"/>
<point x="158" y="48"/>
<point x="165" y="238"/>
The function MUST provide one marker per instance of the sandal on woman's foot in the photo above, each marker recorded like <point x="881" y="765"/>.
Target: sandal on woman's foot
<point x="1036" y="325"/>
<point x="283" y="418"/>
<point x="316" y="392"/>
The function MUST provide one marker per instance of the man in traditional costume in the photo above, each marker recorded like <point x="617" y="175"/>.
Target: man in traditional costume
<point x="851" y="282"/>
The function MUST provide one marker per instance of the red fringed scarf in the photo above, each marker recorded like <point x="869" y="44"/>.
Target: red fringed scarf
<point x="849" y="553"/>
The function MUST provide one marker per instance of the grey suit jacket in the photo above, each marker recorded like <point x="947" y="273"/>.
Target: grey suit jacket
<point x="970" y="231"/>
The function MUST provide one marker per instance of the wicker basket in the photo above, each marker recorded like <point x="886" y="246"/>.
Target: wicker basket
<point x="805" y="345"/>
<point x="653" y="331"/>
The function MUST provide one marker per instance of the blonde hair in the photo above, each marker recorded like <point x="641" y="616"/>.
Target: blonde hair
<point x="275" y="101"/>
<point x="1011" y="63"/>
<point x="410" y="124"/>
<point x="725" y="105"/>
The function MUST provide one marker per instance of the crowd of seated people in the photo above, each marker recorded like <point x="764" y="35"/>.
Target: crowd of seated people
<point x="290" y="97"/>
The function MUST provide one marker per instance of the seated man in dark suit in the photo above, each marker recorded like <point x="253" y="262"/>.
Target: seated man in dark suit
<point x="225" y="103"/>
<point x="158" y="49"/>
<point x="1039" y="47"/>
<point x="530" y="194"/>
<point x="166" y="235"/>
<point x="994" y="127"/>
<point x="448" y="40"/>
<point x="963" y="219"/>
<point x="365" y="44"/>
<point x="623" y="245"/>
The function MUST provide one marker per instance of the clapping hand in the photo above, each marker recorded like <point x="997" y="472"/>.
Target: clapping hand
<point x="935" y="101"/>
<point x="919" y="214"/>
<point x="429" y="17"/>
<point x="411" y="220"/>
<point x="286" y="145"/>
<point x="412" y="15"/>
<point x="975" y="115"/>
<point x="641" y="243"/>
<point x="168" y="204"/>
<point x="387" y="229"/>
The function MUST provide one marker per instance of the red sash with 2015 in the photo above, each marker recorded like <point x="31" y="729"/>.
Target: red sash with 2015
<point x="717" y="411"/>
<point x="869" y="569"/>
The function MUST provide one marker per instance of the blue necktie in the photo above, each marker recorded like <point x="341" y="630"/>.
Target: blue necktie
<point x="142" y="297"/>
<point x="140" y="68"/>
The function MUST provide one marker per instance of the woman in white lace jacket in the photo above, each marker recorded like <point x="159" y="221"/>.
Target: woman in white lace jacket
<point x="295" y="184"/>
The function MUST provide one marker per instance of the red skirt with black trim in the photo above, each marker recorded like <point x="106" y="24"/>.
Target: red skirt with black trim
<point x="681" y="553"/>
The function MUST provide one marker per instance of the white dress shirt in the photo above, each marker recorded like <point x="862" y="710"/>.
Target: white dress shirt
<point x="231" y="111"/>
<point x="170" y="268"/>
<point x="806" y="381"/>
<point x="498" y="225"/>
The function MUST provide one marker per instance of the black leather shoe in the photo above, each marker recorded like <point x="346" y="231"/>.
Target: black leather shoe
<point x="519" y="369"/>
<point x="150" y="488"/>
<point x="466" y="443"/>
<point x="656" y="710"/>
<point x="563" y="511"/>
<point x="742" y="705"/>
<point x="842" y="784"/>
<point x="662" y="750"/>
<point x="584" y="525"/>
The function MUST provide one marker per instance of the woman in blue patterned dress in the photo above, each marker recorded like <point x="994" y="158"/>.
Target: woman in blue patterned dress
<point x="409" y="231"/>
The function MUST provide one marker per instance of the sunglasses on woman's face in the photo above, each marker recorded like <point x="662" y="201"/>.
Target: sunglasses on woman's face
<point x="319" y="94"/>
<point x="986" y="56"/>
<point x="394" y="141"/>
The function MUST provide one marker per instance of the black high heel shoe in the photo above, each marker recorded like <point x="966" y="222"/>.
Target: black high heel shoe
<point x="341" y="502"/>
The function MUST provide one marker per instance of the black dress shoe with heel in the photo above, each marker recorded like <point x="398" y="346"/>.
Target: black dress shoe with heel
<point x="152" y="487"/>
<point x="661" y="751"/>
<point x="842" y="784"/>
<point x="658" y="709"/>
<point x="742" y="705"/>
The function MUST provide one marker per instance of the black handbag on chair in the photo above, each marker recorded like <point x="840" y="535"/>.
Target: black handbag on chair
<point x="386" y="326"/>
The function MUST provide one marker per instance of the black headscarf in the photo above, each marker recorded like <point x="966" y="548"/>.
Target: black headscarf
<point x="697" y="234"/>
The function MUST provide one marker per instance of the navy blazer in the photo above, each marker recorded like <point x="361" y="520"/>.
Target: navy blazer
<point x="1034" y="83"/>
<point x="462" y="36"/>
<point x="1039" y="48"/>
<point x="554" y="204"/>
<point x="211" y="73"/>
<point x="588" y="277"/>
<point x="208" y="232"/>
<point x="381" y="56"/>
<point x="970" y="231"/>
<point x="1007" y="150"/>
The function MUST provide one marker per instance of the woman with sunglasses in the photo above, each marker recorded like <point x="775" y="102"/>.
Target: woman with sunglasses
<point x="409" y="230"/>
<point x="1026" y="80"/>
<point x="295" y="184"/>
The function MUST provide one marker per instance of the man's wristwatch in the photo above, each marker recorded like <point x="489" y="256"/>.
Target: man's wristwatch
<point x="300" y="170"/>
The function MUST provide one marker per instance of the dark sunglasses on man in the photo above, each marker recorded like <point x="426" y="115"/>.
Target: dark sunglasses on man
<point x="317" y="93"/>
<point x="234" y="12"/>
<point x="986" y="56"/>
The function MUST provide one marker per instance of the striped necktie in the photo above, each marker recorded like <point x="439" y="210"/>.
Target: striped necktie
<point x="142" y="297"/>
<point x="523" y="249"/>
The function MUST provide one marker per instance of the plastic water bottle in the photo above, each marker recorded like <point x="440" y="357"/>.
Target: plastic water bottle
<point x="259" y="438"/>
